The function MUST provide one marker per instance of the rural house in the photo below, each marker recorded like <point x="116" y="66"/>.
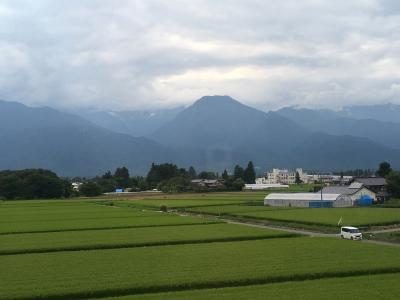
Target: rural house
<point x="358" y="193"/>
<point x="376" y="184"/>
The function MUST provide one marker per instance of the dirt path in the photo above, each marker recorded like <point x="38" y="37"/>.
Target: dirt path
<point x="286" y="229"/>
<point x="313" y="234"/>
<point x="299" y="231"/>
<point x="393" y="229"/>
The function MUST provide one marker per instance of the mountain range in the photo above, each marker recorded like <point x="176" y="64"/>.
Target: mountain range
<point x="68" y="144"/>
<point x="340" y="123"/>
<point x="135" y="123"/>
<point x="214" y="133"/>
<point x="270" y="139"/>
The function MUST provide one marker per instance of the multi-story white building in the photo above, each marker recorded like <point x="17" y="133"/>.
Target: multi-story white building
<point x="278" y="176"/>
<point x="330" y="179"/>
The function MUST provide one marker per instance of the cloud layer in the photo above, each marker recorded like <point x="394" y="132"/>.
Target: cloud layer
<point x="151" y="54"/>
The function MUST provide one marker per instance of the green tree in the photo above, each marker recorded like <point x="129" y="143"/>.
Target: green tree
<point x="393" y="183"/>
<point x="90" y="189"/>
<point x="122" y="172"/>
<point x="68" y="190"/>
<point x="174" y="185"/>
<point x="384" y="169"/>
<point x="107" y="184"/>
<point x="249" y="174"/>
<point x="238" y="184"/>
<point x="192" y="173"/>
<point x="162" y="172"/>
<point x="225" y="175"/>
<point x="207" y="175"/>
<point x="121" y="176"/>
<point x="141" y="183"/>
<point x="9" y="186"/>
<point x="32" y="184"/>
<point x="297" y="178"/>
<point x="107" y="175"/>
<point x="238" y="172"/>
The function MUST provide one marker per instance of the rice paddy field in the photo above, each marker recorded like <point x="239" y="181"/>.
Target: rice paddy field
<point x="127" y="249"/>
<point x="391" y="236"/>
<point x="318" y="216"/>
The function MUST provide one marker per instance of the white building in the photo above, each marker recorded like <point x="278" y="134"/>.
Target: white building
<point x="312" y="200"/>
<point x="264" y="186"/>
<point x="329" y="179"/>
<point x="278" y="176"/>
<point x="76" y="185"/>
<point x="355" y="191"/>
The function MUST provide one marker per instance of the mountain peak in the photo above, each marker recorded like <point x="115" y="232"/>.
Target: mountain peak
<point x="216" y="100"/>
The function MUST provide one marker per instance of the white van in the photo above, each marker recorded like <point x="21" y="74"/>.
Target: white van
<point x="350" y="233"/>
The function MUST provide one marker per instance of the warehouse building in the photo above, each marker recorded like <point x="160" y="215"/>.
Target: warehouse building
<point x="260" y="186"/>
<point x="376" y="184"/>
<point x="312" y="200"/>
<point x="358" y="193"/>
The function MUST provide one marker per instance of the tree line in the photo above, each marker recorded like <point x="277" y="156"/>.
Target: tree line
<point x="392" y="178"/>
<point x="33" y="184"/>
<point x="167" y="177"/>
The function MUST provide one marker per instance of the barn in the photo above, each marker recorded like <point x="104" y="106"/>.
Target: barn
<point x="312" y="200"/>
<point x="357" y="192"/>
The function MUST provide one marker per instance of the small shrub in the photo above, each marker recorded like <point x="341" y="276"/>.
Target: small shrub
<point x="163" y="208"/>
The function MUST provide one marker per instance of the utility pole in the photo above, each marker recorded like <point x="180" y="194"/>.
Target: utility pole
<point x="322" y="186"/>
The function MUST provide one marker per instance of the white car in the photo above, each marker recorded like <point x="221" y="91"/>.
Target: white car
<point x="350" y="233"/>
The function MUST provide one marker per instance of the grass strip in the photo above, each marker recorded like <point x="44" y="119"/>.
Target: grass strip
<point x="110" y="227"/>
<point x="325" y="227"/>
<point x="380" y="286"/>
<point x="210" y="285"/>
<point x="144" y="268"/>
<point x="146" y="244"/>
<point x="330" y="216"/>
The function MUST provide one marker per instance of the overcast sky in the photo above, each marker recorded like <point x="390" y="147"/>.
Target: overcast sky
<point x="151" y="54"/>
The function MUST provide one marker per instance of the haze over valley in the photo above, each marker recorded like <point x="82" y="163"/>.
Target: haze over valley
<point x="214" y="133"/>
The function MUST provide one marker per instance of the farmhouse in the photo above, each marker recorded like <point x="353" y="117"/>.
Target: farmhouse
<point x="312" y="200"/>
<point x="377" y="185"/>
<point x="358" y="193"/>
<point x="208" y="183"/>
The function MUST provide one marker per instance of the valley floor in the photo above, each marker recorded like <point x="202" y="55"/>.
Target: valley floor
<point x="128" y="249"/>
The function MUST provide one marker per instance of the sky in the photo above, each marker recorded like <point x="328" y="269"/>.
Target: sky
<point x="149" y="54"/>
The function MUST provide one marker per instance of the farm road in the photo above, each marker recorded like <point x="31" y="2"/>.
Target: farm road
<point x="286" y="229"/>
<point x="295" y="230"/>
<point x="317" y="234"/>
<point x="393" y="229"/>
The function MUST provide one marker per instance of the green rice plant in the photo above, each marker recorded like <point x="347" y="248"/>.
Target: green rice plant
<point x="50" y="212"/>
<point x="102" y="224"/>
<point x="354" y="287"/>
<point x="102" y="273"/>
<point x="131" y="237"/>
<point x="233" y="209"/>
<point x="390" y="236"/>
<point x="181" y="203"/>
<point x="46" y="216"/>
<point x="330" y="216"/>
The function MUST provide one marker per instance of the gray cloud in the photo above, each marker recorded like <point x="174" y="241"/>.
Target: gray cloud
<point x="151" y="54"/>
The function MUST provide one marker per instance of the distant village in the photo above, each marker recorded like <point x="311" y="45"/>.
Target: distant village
<point x="335" y="190"/>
